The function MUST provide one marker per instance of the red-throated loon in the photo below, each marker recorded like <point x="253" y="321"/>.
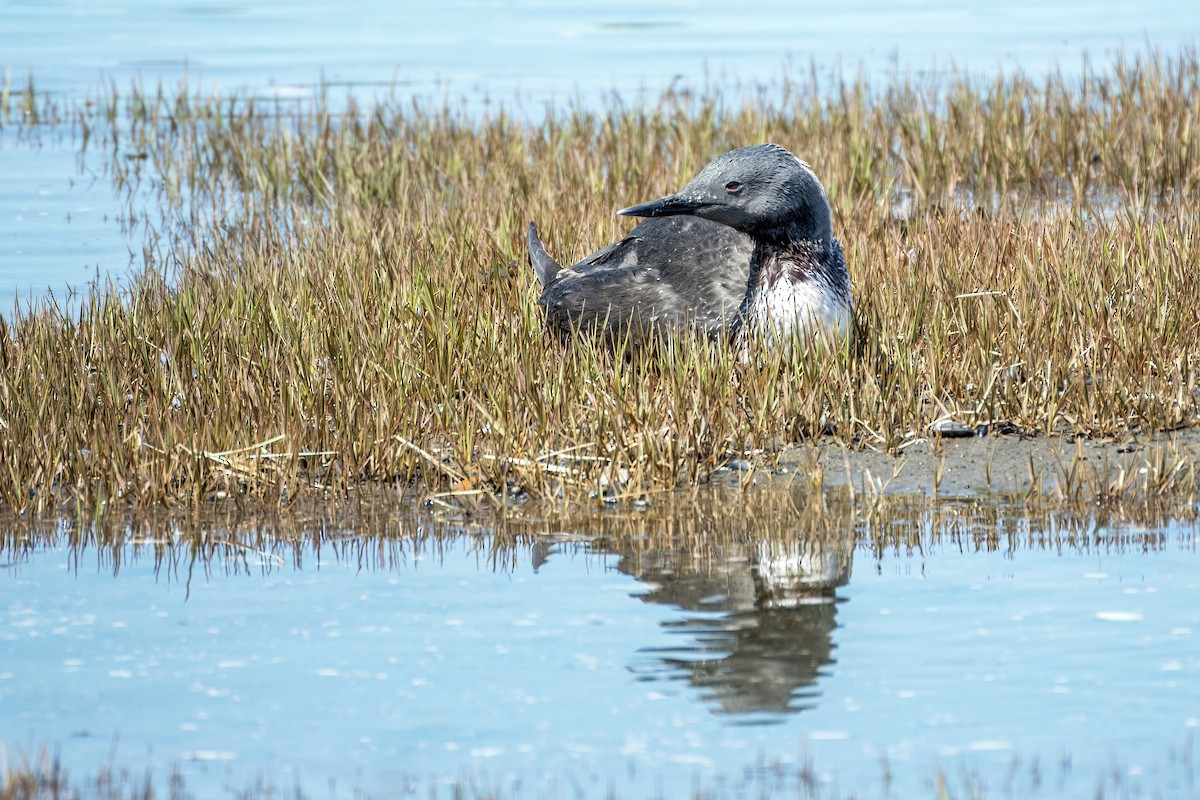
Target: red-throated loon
<point x="744" y="251"/>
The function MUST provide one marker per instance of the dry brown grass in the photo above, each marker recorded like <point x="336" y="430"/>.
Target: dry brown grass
<point x="348" y="301"/>
<point x="697" y="534"/>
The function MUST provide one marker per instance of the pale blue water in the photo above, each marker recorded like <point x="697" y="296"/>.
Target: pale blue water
<point x="1043" y="673"/>
<point x="1031" y="673"/>
<point x="539" y="50"/>
<point x="56" y="232"/>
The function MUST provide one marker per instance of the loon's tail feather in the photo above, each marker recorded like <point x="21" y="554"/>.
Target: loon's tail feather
<point x="545" y="266"/>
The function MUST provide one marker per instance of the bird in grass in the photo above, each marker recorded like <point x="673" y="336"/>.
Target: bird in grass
<point x="744" y="252"/>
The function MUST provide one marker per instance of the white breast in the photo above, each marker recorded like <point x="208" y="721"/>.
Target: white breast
<point x="798" y="310"/>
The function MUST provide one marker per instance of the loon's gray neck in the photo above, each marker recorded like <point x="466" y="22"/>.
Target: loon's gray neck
<point x="793" y="260"/>
<point x="779" y="269"/>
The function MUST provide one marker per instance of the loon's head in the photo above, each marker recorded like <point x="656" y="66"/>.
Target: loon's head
<point x="763" y="191"/>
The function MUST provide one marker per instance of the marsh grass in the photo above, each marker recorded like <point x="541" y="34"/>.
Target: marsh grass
<point x="341" y="299"/>
<point x="46" y="778"/>
<point x="376" y="534"/>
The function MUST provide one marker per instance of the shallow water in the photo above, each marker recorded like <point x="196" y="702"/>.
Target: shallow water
<point x="57" y="227"/>
<point x="574" y="666"/>
<point x="539" y="51"/>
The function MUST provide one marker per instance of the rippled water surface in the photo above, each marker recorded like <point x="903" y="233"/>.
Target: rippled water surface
<point x="369" y="665"/>
<point x="569" y="664"/>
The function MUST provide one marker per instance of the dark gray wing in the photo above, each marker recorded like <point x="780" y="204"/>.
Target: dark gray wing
<point x="668" y="272"/>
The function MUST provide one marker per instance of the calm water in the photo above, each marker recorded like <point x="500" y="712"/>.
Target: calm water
<point x="58" y="227"/>
<point x="565" y="667"/>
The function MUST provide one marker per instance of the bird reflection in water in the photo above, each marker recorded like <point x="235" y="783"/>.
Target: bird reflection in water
<point x="757" y="628"/>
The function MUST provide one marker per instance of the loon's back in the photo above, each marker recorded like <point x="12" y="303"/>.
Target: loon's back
<point x="668" y="272"/>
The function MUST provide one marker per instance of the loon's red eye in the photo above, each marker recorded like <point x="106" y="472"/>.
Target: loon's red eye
<point x="733" y="186"/>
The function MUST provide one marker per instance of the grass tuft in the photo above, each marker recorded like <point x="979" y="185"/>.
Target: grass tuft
<point x="335" y="299"/>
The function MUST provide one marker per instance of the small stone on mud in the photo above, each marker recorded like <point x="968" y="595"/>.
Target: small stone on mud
<point x="949" y="429"/>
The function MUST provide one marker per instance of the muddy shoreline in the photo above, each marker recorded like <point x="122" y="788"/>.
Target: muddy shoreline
<point x="1003" y="464"/>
